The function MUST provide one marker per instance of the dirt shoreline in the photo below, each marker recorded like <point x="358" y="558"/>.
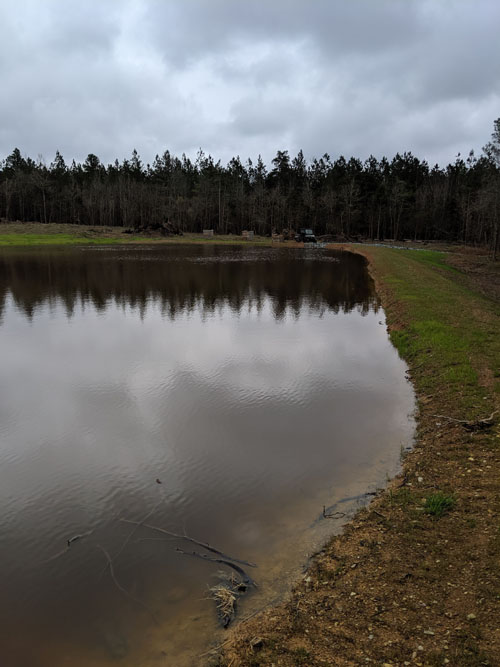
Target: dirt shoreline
<point x="401" y="585"/>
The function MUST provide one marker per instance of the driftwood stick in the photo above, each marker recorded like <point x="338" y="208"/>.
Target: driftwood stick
<point x="332" y="515"/>
<point x="78" y="537"/>
<point x="204" y="545"/>
<point x="120" y="587"/>
<point x="486" y="421"/>
<point x="69" y="542"/>
<point x="57" y="555"/>
<point x="131" y="534"/>
<point x="452" y="419"/>
<point x="155" y="539"/>
<point x="134" y="530"/>
<point x="246" y="579"/>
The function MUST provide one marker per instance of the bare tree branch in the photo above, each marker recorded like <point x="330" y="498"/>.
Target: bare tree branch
<point x="120" y="587"/>
<point x="190" y="539"/>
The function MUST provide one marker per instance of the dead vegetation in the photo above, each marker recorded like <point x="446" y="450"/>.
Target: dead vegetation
<point x="225" y="600"/>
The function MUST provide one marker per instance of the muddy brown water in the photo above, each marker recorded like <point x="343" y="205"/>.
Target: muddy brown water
<point x="256" y="384"/>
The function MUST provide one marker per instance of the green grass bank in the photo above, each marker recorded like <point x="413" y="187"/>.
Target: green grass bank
<point x="440" y="326"/>
<point x="36" y="234"/>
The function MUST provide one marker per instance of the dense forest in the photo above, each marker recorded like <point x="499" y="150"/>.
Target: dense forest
<point x="346" y="198"/>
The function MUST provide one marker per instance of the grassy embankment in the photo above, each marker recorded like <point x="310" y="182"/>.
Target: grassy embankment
<point x="415" y="578"/>
<point x="36" y="234"/>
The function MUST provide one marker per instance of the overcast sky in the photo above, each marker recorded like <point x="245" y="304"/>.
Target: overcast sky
<point x="352" y="77"/>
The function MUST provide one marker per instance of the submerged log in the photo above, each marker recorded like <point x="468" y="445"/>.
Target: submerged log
<point x="204" y="545"/>
<point x="124" y="590"/>
<point x="246" y="579"/>
<point x="225" y="595"/>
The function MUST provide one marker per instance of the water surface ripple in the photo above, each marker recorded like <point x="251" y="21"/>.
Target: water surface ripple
<point x="256" y="384"/>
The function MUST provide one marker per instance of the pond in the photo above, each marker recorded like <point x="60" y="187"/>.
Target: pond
<point x="224" y="393"/>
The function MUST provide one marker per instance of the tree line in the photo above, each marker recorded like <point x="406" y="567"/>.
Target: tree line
<point x="401" y="198"/>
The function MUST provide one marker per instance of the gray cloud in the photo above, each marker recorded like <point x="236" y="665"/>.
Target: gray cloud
<point x="340" y="76"/>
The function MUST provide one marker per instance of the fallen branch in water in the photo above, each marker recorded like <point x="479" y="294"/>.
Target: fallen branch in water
<point x="471" y="425"/>
<point x="69" y="542"/>
<point x="248" y="581"/>
<point x="204" y="545"/>
<point x="332" y="515"/>
<point x="78" y="537"/>
<point x="120" y="587"/>
<point x="155" y="539"/>
<point x="329" y="514"/>
<point x="131" y="534"/>
<point x="57" y="555"/>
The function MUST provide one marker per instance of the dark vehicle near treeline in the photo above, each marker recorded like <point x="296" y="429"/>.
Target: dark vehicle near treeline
<point x="305" y="236"/>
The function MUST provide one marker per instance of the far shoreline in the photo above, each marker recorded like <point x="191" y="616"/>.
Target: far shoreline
<point x="36" y="234"/>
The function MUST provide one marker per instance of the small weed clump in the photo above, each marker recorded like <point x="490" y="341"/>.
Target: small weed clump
<point x="438" y="504"/>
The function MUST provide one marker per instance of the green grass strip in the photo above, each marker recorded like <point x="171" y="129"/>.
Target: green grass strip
<point x="449" y="334"/>
<point x="57" y="239"/>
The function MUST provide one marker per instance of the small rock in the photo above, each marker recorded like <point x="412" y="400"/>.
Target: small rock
<point x="471" y="617"/>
